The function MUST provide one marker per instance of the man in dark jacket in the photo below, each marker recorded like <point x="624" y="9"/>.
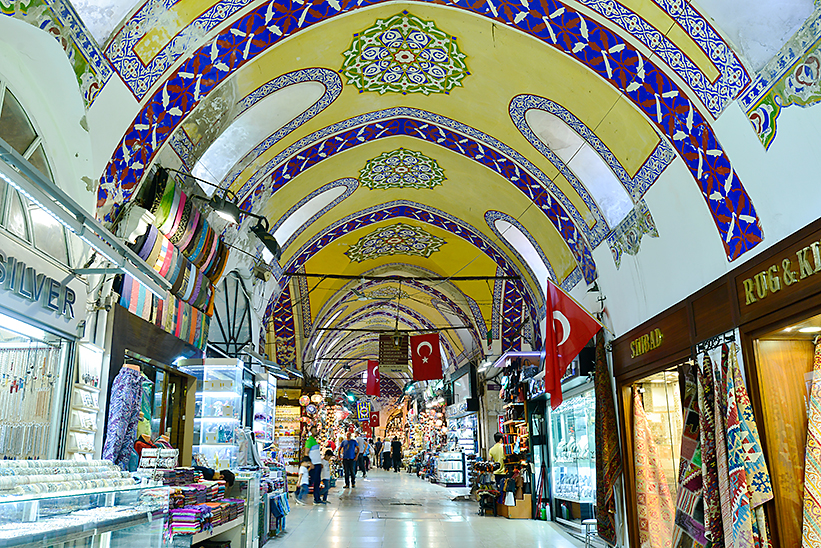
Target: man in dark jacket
<point x="396" y="453"/>
<point x="378" y="456"/>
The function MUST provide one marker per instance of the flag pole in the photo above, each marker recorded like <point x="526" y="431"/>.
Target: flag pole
<point x="582" y="307"/>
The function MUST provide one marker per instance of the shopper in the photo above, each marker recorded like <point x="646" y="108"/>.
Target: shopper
<point x="368" y="455"/>
<point x="378" y="453"/>
<point x="497" y="455"/>
<point x="326" y="476"/>
<point x="350" y="454"/>
<point x="302" y="479"/>
<point x="312" y="447"/>
<point x="386" y="455"/>
<point x="396" y="453"/>
<point x="364" y="452"/>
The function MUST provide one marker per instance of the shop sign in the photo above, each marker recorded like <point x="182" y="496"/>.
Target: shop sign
<point x="393" y="354"/>
<point x="34" y="288"/>
<point x="646" y="343"/>
<point x="791" y="269"/>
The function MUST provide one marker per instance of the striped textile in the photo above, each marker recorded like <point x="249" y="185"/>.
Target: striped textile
<point x="811" y="536"/>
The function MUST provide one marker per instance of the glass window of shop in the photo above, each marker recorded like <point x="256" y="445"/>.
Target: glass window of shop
<point x="34" y="366"/>
<point x="655" y="428"/>
<point x="18" y="215"/>
<point x="572" y="434"/>
<point x="784" y="366"/>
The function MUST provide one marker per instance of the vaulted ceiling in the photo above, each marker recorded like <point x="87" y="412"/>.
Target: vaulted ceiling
<point x="505" y="141"/>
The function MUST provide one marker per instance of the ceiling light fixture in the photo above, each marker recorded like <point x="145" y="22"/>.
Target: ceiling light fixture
<point x="810" y="330"/>
<point x="260" y="230"/>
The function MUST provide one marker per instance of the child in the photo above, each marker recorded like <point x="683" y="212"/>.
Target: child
<point x="302" y="480"/>
<point x="326" y="475"/>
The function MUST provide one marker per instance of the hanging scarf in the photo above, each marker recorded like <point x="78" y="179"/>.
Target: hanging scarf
<point x="689" y="502"/>
<point x="656" y="512"/>
<point x="710" y="469"/>
<point x="812" y="461"/>
<point x="608" y="455"/>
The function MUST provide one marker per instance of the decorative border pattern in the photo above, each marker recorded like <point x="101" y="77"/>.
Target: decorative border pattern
<point x="284" y="327"/>
<point x="650" y="171"/>
<point x="298" y="158"/>
<point x="58" y="19"/>
<point x="790" y="78"/>
<point x="304" y="301"/>
<point x="603" y="51"/>
<point x="496" y="315"/>
<point x="626" y="238"/>
<point x="411" y="210"/>
<point x="291" y="18"/>
<point x="350" y="185"/>
<point x="512" y="316"/>
<point x="184" y="147"/>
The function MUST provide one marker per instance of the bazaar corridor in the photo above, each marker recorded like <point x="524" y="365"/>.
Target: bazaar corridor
<point x="402" y="511"/>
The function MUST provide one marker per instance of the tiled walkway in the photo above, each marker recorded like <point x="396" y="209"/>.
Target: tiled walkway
<point x="401" y="511"/>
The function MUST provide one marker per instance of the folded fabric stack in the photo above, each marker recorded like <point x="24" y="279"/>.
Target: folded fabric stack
<point x="219" y="512"/>
<point x="216" y="489"/>
<point x="190" y="520"/>
<point x="236" y="508"/>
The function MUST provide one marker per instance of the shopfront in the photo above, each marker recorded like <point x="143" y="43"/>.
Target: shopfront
<point x="761" y="320"/>
<point x="42" y="313"/>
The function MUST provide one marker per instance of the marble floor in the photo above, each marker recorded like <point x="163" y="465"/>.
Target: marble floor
<point x="401" y="511"/>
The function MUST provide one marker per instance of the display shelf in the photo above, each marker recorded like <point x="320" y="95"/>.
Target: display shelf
<point x="84" y="408"/>
<point x="86" y="387"/>
<point x="218" y="530"/>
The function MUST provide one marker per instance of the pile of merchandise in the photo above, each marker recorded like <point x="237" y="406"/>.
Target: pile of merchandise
<point x="21" y="477"/>
<point x="178" y="476"/>
<point x="200" y="506"/>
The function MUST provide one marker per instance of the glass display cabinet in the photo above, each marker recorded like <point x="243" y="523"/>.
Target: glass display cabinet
<point x="573" y="453"/>
<point x="127" y="516"/>
<point x="218" y="410"/>
<point x="450" y="469"/>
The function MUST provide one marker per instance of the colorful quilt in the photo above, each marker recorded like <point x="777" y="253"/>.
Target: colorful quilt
<point x="812" y="461"/>
<point x="690" y="530"/>
<point x="656" y="511"/>
<point x="608" y="454"/>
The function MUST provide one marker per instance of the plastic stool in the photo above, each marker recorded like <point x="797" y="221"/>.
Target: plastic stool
<point x="589" y="530"/>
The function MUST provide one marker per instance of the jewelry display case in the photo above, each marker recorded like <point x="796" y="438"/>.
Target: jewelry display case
<point x="218" y="410"/>
<point x="124" y="516"/>
<point x="573" y="453"/>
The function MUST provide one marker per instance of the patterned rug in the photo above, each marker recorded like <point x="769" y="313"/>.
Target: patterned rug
<point x="690" y="531"/>
<point x="711" y="471"/>
<point x="656" y="512"/>
<point x="608" y="454"/>
<point x="812" y="461"/>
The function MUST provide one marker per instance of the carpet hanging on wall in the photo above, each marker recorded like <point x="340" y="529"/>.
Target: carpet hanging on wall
<point x="690" y="530"/>
<point x="656" y="511"/>
<point x="608" y="454"/>
<point x="812" y="461"/>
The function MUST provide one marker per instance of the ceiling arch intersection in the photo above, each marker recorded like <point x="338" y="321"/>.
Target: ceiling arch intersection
<point x="707" y="63"/>
<point x="415" y="123"/>
<point x="600" y="49"/>
<point x="411" y="210"/>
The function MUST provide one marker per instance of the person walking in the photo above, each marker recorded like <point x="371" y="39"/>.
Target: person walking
<point x="364" y="452"/>
<point x="378" y="453"/>
<point x="386" y="455"/>
<point x="302" y="480"/>
<point x="396" y="453"/>
<point x="350" y="454"/>
<point x="326" y="475"/>
<point x="312" y="447"/>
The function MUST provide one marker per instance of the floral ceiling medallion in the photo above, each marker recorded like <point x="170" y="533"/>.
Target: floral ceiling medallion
<point x="398" y="239"/>
<point x="404" y="54"/>
<point x="401" y="168"/>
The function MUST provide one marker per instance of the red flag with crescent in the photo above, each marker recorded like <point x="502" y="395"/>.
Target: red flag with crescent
<point x="570" y="329"/>
<point x="374" y="418"/>
<point x="372" y="388"/>
<point x="425" y="357"/>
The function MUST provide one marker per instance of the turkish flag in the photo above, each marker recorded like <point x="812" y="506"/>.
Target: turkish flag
<point x="569" y="328"/>
<point x="374" y="418"/>
<point x="425" y="357"/>
<point x="372" y="388"/>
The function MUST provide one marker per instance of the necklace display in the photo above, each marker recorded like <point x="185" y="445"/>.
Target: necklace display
<point x="28" y="376"/>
